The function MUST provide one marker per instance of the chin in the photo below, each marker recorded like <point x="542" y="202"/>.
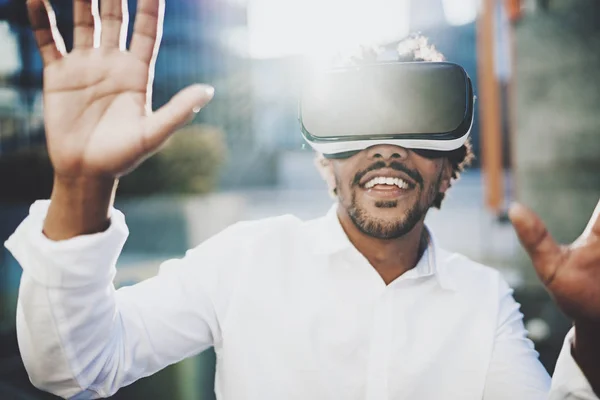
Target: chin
<point x="389" y="220"/>
<point x="386" y="208"/>
<point x="386" y="229"/>
<point x="385" y="218"/>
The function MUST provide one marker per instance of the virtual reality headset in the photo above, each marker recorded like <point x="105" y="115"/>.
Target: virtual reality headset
<point x="425" y="106"/>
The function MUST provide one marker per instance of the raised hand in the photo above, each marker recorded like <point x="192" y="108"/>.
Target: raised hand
<point x="97" y="98"/>
<point x="97" y="106"/>
<point x="571" y="273"/>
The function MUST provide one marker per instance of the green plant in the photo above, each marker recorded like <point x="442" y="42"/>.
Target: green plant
<point x="190" y="162"/>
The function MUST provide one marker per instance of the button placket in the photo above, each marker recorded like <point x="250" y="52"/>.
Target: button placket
<point x="380" y="348"/>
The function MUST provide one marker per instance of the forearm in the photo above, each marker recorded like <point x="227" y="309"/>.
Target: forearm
<point x="79" y="206"/>
<point x="67" y="318"/>
<point x="66" y="336"/>
<point x="586" y="352"/>
<point x="77" y="333"/>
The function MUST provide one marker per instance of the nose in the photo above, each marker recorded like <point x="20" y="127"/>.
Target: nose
<point x="387" y="152"/>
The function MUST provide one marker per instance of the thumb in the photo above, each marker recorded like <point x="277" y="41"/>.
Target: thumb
<point x="163" y="122"/>
<point x="594" y="225"/>
<point x="536" y="240"/>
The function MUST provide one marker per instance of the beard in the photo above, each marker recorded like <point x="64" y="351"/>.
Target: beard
<point x="382" y="229"/>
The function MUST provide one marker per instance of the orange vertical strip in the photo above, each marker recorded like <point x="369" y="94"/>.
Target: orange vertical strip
<point x="512" y="110"/>
<point x="513" y="7"/>
<point x="489" y="108"/>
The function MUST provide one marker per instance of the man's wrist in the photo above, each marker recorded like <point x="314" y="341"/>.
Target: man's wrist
<point x="586" y="351"/>
<point x="79" y="205"/>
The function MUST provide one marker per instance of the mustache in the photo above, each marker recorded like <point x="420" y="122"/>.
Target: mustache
<point x="413" y="174"/>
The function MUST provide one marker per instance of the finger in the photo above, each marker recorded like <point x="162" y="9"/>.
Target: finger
<point x="536" y="240"/>
<point x="162" y="123"/>
<point x="85" y="17"/>
<point x="114" y="27"/>
<point x="147" y="30"/>
<point x="43" y="23"/>
<point x="593" y="227"/>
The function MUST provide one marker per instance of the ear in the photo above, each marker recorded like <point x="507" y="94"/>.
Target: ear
<point x="325" y="169"/>
<point x="446" y="176"/>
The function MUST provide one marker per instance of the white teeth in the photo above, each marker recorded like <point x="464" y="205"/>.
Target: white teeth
<point x="381" y="180"/>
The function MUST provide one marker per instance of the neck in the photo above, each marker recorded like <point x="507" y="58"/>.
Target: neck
<point x="390" y="257"/>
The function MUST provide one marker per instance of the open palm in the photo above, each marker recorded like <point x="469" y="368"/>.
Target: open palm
<point x="570" y="273"/>
<point x="97" y="109"/>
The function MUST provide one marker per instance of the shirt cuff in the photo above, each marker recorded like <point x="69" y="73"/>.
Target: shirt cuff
<point x="568" y="381"/>
<point x="76" y="262"/>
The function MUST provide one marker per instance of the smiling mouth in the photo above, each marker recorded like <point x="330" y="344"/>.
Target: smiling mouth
<point x="382" y="187"/>
<point x="387" y="183"/>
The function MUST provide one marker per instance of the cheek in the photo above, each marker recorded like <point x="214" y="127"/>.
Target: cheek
<point x="341" y="176"/>
<point x="330" y="179"/>
<point x="432" y="171"/>
<point x="435" y="183"/>
<point x="343" y="187"/>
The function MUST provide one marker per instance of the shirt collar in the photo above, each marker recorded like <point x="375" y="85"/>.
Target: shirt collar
<point x="329" y="238"/>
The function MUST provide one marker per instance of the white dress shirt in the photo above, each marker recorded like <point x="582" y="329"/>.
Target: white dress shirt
<point x="293" y="311"/>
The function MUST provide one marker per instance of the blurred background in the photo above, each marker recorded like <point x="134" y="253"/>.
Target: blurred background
<point x="535" y="65"/>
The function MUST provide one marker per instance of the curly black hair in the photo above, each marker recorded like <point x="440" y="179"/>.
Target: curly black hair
<point x="459" y="159"/>
<point x="415" y="48"/>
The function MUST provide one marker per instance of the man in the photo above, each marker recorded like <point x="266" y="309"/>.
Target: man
<point x="360" y="304"/>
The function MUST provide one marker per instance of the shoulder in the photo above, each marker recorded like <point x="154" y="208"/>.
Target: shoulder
<point x="239" y="244"/>
<point x="470" y="276"/>
<point x="252" y="235"/>
<point x="266" y="227"/>
<point x="482" y="288"/>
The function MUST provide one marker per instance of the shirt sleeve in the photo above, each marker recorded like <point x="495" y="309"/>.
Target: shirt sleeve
<point x="569" y="382"/>
<point x="79" y="337"/>
<point x="515" y="371"/>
